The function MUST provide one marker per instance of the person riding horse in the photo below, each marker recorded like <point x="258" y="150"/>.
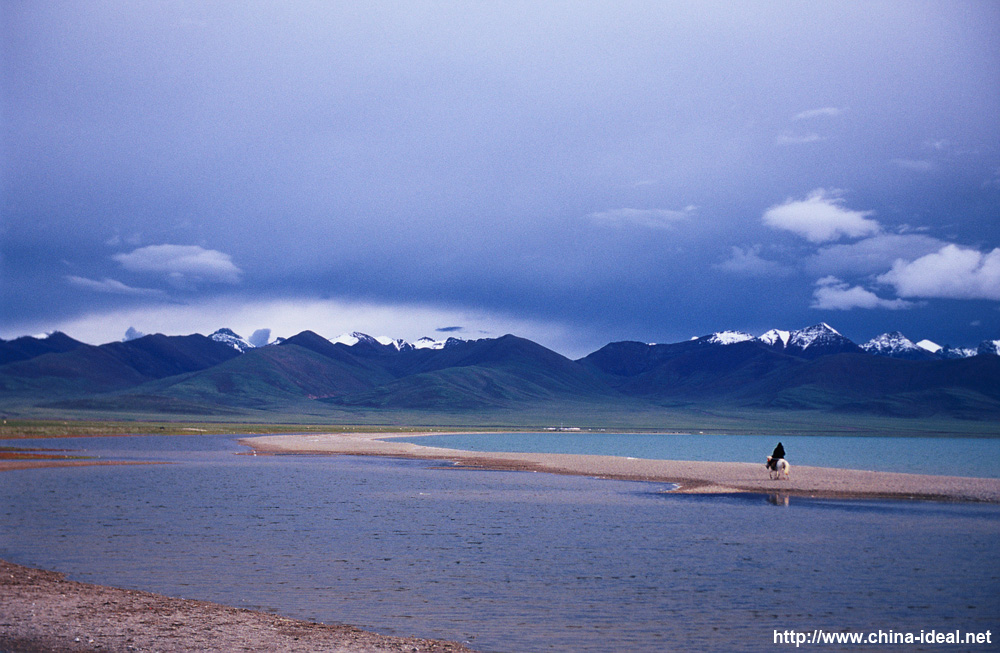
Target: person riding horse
<point x="778" y="454"/>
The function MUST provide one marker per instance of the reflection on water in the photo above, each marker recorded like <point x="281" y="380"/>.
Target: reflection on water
<point x="504" y="560"/>
<point x="778" y="499"/>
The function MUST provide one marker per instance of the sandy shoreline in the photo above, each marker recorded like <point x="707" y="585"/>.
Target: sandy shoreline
<point x="42" y="611"/>
<point x="691" y="477"/>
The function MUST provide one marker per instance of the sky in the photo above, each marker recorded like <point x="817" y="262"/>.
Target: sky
<point x="576" y="173"/>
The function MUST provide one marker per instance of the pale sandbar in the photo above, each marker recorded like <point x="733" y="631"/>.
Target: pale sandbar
<point x="691" y="477"/>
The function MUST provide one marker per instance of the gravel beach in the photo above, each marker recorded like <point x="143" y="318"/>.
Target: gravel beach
<point x="42" y="611"/>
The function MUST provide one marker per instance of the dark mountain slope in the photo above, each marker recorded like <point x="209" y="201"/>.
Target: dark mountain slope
<point x="158" y="356"/>
<point x="483" y="373"/>
<point x="967" y="388"/>
<point x="320" y="345"/>
<point x="28" y="347"/>
<point x="630" y="358"/>
<point x="272" y="375"/>
<point x="686" y="368"/>
<point x="114" y="366"/>
<point x="752" y="374"/>
<point x="309" y="374"/>
<point x="454" y="389"/>
<point x="720" y="371"/>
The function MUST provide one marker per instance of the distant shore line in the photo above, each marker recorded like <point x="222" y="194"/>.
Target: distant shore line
<point x="691" y="477"/>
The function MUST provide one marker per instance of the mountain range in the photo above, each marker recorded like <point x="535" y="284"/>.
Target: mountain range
<point x="812" y="369"/>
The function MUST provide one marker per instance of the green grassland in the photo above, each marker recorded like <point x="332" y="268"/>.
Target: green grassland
<point x="595" y="415"/>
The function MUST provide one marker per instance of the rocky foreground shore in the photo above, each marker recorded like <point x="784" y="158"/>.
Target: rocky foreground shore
<point x="43" y="611"/>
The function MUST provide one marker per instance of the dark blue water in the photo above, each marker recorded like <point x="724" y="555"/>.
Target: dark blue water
<point x="506" y="561"/>
<point x="977" y="457"/>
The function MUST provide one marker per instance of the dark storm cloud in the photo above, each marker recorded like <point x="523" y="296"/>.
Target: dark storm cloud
<point x="651" y="170"/>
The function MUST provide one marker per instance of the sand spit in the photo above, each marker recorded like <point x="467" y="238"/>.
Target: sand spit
<point x="42" y="611"/>
<point x="8" y="465"/>
<point x="691" y="477"/>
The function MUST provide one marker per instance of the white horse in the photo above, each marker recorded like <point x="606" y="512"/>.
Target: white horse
<point x="778" y="467"/>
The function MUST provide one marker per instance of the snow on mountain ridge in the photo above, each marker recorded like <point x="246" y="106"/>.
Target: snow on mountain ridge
<point x="231" y="338"/>
<point x="729" y="337"/>
<point x="775" y="336"/>
<point x="356" y="337"/>
<point x="949" y="353"/>
<point x="398" y="343"/>
<point x="989" y="348"/>
<point x="353" y="338"/>
<point x="809" y="336"/>
<point x="430" y="343"/>
<point x="890" y="344"/>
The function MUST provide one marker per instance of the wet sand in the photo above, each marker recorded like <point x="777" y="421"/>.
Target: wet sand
<point x="691" y="477"/>
<point x="42" y="611"/>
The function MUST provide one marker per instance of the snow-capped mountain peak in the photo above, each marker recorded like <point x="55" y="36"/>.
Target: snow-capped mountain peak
<point x="398" y="343"/>
<point x="989" y="347"/>
<point x="356" y="337"/>
<point x="729" y="337"/>
<point x="775" y="336"/>
<point x="889" y="344"/>
<point x="817" y="340"/>
<point x="430" y="343"/>
<point x="231" y="338"/>
<point x="809" y="336"/>
<point x="353" y="338"/>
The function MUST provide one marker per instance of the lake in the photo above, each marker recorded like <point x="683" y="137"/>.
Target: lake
<point x="506" y="561"/>
<point x="977" y="457"/>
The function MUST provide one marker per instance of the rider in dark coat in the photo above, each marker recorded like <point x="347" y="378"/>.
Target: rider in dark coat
<point x="772" y="461"/>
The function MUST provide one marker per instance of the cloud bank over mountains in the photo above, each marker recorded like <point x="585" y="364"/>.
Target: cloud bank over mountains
<point x="577" y="173"/>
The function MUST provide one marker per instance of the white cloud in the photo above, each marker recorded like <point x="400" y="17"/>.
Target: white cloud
<point x="799" y="138"/>
<point x="834" y="295"/>
<point x="111" y="286"/>
<point x="952" y="272"/>
<point x="260" y="337"/>
<point x="748" y="261"/>
<point x="184" y="265"/>
<point x="820" y="217"/>
<point x="870" y="255"/>
<point x="789" y="138"/>
<point x="649" y="218"/>
<point x="824" y="112"/>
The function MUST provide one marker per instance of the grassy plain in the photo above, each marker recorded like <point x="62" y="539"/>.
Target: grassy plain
<point x="595" y="416"/>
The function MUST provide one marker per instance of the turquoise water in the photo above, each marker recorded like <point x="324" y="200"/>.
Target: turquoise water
<point x="976" y="457"/>
<point x="509" y="562"/>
